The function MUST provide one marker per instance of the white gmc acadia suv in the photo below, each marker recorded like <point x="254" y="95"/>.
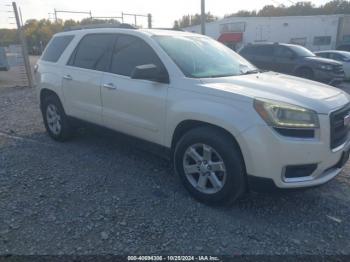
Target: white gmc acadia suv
<point x="227" y="125"/>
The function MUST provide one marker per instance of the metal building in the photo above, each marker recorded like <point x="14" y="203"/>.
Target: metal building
<point x="314" y="32"/>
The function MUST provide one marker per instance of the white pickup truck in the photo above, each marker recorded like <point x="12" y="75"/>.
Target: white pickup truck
<point x="228" y="125"/>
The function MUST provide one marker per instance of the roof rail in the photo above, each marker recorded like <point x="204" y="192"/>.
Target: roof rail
<point x="171" y="29"/>
<point x="94" y="26"/>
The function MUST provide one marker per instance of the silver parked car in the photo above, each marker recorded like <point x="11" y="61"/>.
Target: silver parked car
<point x="340" y="56"/>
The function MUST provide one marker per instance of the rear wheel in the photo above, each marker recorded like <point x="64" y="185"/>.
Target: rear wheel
<point x="56" y="121"/>
<point x="210" y="166"/>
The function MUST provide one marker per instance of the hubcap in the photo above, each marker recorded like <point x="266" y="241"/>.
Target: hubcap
<point x="204" y="168"/>
<point x="53" y="119"/>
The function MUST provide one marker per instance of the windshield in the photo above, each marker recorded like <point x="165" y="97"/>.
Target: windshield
<point x="202" y="57"/>
<point x="301" y="51"/>
<point x="345" y="55"/>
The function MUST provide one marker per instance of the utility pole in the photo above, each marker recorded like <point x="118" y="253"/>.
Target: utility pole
<point x="203" y="17"/>
<point x="55" y="12"/>
<point x="24" y="46"/>
<point x="149" y="21"/>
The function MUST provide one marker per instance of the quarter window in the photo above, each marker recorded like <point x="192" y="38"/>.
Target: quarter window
<point x="93" y="52"/>
<point x="56" y="47"/>
<point x="129" y="52"/>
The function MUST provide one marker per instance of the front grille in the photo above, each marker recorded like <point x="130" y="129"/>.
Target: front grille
<point x="338" y="69"/>
<point x="339" y="132"/>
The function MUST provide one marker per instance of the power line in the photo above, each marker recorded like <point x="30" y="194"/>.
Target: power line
<point x="71" y="12"/>
<point x="276" y="2"/>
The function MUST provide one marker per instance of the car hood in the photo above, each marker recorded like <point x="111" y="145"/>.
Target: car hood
<point x="289" y="89"/>
<point x="317" y="59"/>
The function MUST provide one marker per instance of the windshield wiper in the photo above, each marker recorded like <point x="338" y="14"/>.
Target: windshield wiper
<point x="250" y="72"/>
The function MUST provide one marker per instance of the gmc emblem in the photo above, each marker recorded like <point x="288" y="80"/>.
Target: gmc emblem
<point x="347" y="120"/>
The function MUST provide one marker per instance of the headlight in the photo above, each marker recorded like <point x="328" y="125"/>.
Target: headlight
<point x="283" y="115"/>
<point x="326" y="67"/>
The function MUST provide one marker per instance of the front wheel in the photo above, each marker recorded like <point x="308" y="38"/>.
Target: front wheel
<point x="210" y="166"/>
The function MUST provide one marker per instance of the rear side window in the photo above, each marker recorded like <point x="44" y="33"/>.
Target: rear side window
<point x="263" y="50"/>
<point x="56" y="47"/>
<point x="260" y="50"/>
<point x="93" y="52"/>
<point x="130" y="52"/>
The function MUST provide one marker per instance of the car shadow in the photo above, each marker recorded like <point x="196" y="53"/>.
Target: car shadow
<point x="98" y="138"/>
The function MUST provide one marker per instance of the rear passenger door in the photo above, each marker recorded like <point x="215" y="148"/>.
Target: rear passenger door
<point x="133" y="106"/>
<point x="83" y="75"/>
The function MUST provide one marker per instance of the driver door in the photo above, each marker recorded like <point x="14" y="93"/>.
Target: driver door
<point x="133" y="106"/>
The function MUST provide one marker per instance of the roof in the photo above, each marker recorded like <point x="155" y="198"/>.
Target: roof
<point x="149" y="32"/>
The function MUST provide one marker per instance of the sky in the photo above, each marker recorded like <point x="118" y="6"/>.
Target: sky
<point x="164" y="12"/>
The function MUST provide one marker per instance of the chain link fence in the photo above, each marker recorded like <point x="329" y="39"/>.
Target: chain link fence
<point x="15" y="76"/>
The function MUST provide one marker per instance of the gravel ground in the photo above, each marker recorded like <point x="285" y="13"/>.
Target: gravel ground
<point x="103" y="193"/>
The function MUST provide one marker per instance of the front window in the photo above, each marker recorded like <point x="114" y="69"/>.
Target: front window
<point x="202" y="57"/>
<point x="301" y="51"/>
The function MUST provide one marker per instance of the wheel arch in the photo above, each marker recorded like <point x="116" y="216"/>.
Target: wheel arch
<point x="45" y="92"/>
<point x="187" y="125"/>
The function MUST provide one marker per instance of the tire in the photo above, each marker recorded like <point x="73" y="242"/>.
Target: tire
<point x="55" y="119"/>
<point x="305" y="72"/>
<point x="211" y="183"/>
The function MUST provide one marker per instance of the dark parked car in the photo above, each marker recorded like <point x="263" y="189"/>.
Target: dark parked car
<point x="4" y="66"/>
<point x="294" y="60"/>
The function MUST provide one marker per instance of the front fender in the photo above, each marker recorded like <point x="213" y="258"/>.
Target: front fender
<point x="233" y="116"/>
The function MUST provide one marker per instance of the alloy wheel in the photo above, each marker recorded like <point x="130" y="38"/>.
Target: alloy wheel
<point x="53" y="119"/>
<point x="204" y="168"/>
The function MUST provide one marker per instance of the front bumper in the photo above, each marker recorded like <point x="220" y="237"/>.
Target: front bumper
<point x="329" y="77"/>
<point x="267" y="154"/>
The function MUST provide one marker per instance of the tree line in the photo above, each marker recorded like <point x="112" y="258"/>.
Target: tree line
<point x="39" y="32"/>
<point x="298" y="9"/>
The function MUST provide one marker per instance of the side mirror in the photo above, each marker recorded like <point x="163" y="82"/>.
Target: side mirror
<point x="150" y="72"/>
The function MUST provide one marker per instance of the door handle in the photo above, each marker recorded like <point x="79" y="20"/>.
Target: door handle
<point x="109" y="86"/>
<point x="68" y="77"/>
